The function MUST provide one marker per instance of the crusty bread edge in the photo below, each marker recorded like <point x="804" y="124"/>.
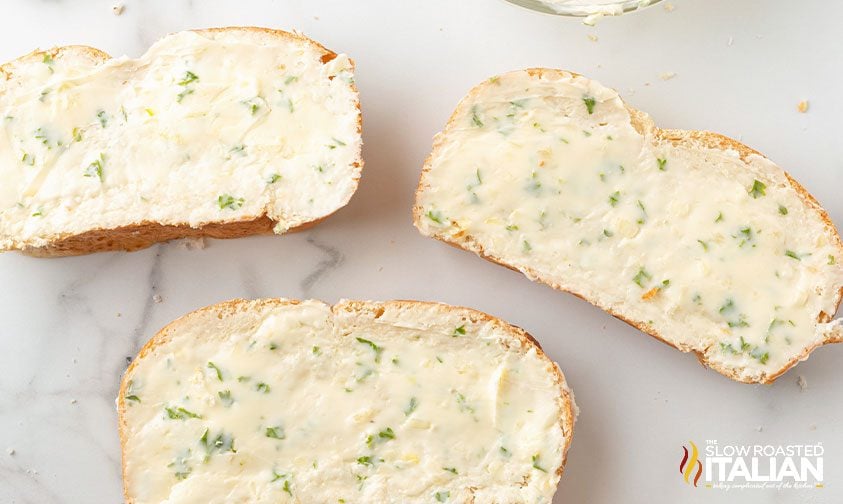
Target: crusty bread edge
<point x="644" y="124"/>
<point x="523" y="338"/>
<point x="144" y="234"/>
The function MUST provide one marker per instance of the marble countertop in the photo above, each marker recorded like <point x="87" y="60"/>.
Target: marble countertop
<point x="70" y="325"/>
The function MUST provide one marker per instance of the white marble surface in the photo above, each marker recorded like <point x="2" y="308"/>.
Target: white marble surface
<point x="741" y="67"/>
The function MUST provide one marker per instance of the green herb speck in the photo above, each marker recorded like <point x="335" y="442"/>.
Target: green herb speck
<point x="230" y="202"/>
<point x="213" y="366"/>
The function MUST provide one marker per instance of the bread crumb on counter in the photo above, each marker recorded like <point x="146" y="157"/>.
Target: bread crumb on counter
<point x="11" y="451"/>
<point x="665" y="76"/>
<point x="193" y="243"/>
<point x="669" y="7"/>
<point x="157" y="299"/>
<point x="118" y="9"/>
<point x="802" y="382"/>
<point x="592" y="37"/>
<point x="803" y="106"/>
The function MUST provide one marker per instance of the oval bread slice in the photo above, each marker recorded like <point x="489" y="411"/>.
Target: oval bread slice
<point x="286" y="401"/>
<point x="222" y="133"/>
<point x="690" y="236"/>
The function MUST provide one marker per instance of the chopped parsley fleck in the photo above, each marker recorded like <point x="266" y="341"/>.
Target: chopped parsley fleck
<point x="475" y="117"/>
<point x="614" y="198"/>
<point x="831" y="260"/>
<point x="728" y="306"/>
<point x="526" y="246"/>
<point x="230" y="202"/>
<point x="607" y="233"/>
<point x="221" y="443"/>
<point x="188" y="78"/>
<point x="462" y="402"/>
<point x="76" y="133"/>
<point x="273" y="178"/>
<point x="741" y="322"/>
<point x="316" y="350"/>
<point x="225" y="397"/>
<point x="336" y="143"/>
<point x="181" y="96"/>
<point x="275" y="433"/>
<point x="95" y="169"/>
<point x="435" y="216"/>
<point x="641" y="277"/>
<point x="746" y="236"/>
<point x="387" y="433"/>
<point x="182" y="469"/>
<point x="286" y="487"/>
<point x="377" y="349"/>
<point x="48" y="60"/>
<point x="103" y="118"/>
<point x="452" y="470"/>
<point x="643" y="217"/>
<point x="512" y="227"/>
<point x="367" y="460"/>
<point x="792" y="255"/>
<point x="758" y="189"/>
<point x="719" y="217"/>
<point x="459" y="331"/>
<point x="442" y="496"/>
<point x="263" y="387"/>
<point x="505" y="452"/>
<point x="411" y="406"/>
<point x="133" y="397"/>
<point x="213" y="366"/>
<point x="291" y="79"/>
<point x="704" y="245"/>
<point x="589" y="102"/>
<point x="662" y="164"/>
<point x="782" y="209"/>
<point x="536" y="464"/>
<point x="180" y="413"/>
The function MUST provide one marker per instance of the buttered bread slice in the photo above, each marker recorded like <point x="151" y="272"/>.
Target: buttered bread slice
<point x="284" y="401"/>
<point x="222" y="133"/>
<point x="690" y="236"/>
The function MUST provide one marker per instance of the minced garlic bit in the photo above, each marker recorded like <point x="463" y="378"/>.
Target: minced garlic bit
<point x="802" y="107"/>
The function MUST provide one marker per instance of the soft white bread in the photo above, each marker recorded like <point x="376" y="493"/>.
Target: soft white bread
<point x="222" y="132"/>
<point x="690" y="236"/>
<point x="285" y="401"/>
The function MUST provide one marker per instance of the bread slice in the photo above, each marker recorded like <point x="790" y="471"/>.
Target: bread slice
<point x="690" y="236"/>
<point x="297" y="401"/>
<point x="222" y="132"/>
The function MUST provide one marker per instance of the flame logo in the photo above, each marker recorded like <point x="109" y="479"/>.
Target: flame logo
<point x="689" y="463"/>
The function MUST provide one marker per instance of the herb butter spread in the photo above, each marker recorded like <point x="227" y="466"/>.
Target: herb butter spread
<point x="206" y="127"/>
<point x="277" y="401"/>
<point x="713" y="250"/>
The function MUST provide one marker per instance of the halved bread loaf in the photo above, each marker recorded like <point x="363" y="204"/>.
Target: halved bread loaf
<point x="222" y="132"/>
<point x="690" y="236"/>
<point x="297" y="401"/>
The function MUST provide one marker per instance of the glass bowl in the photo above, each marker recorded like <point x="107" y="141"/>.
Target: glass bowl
<point x="584" y="8"/>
